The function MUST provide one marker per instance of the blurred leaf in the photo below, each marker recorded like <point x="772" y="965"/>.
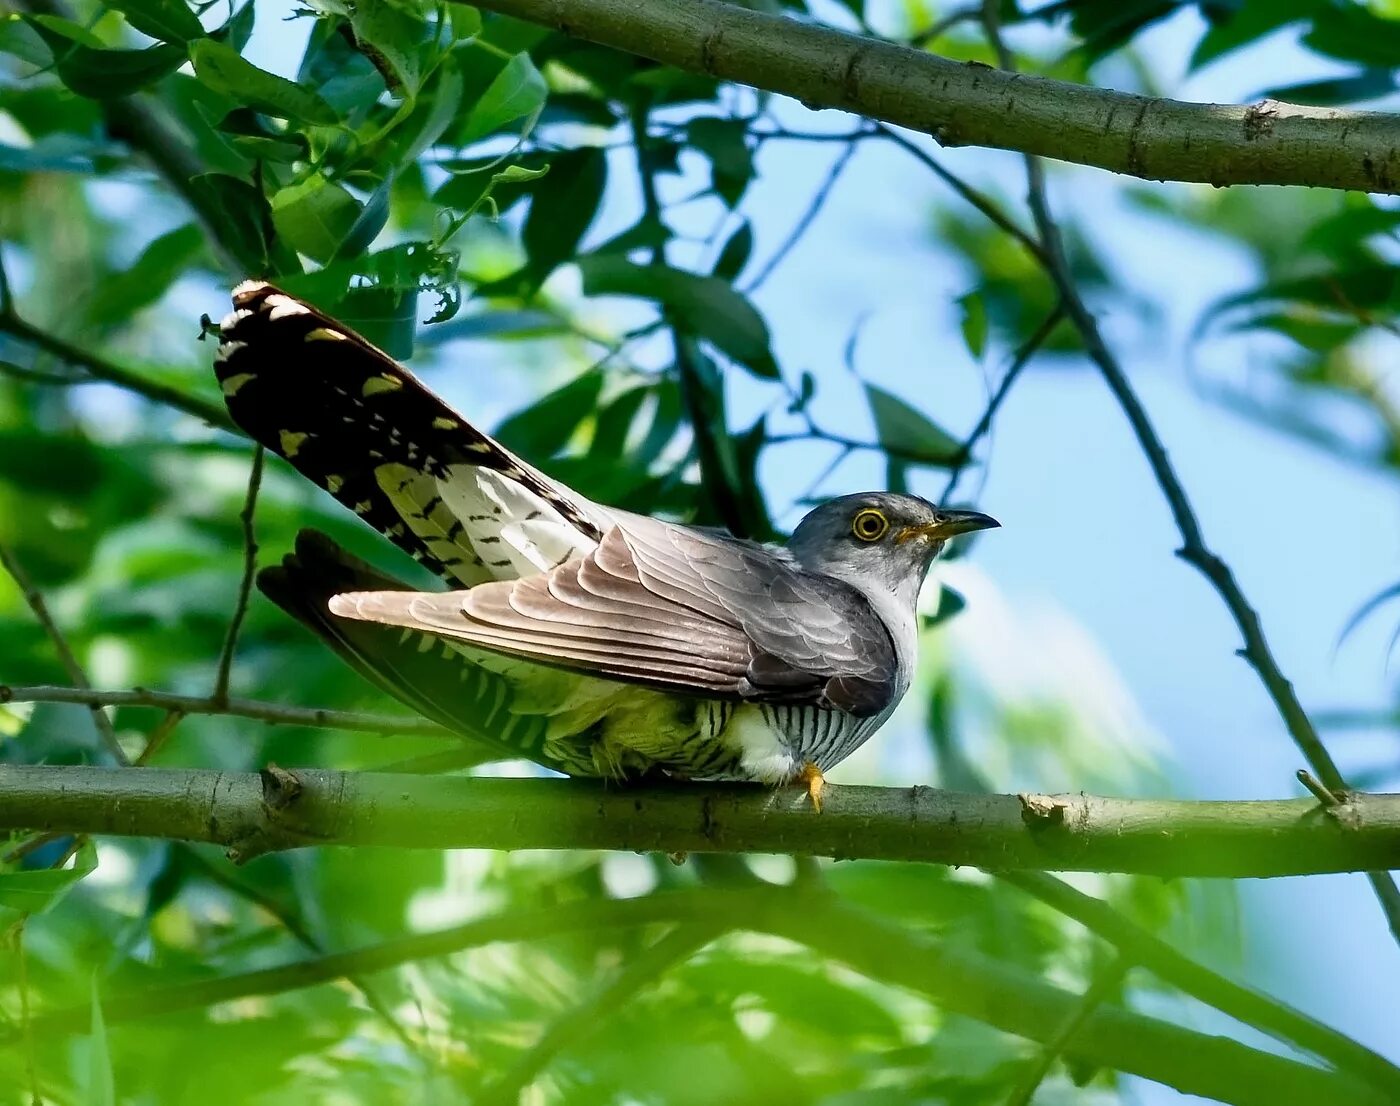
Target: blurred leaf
<point x="168" y="20"/>
<point x="908" y="431"/>
<point x="342" y="76"/>
<point x="735" y="254"/>
<point x="221" y="68"/>
<point x="725" y="143"/>
<point x="564" y="205"/>
<point x="704" y="305"/>
<point x="974" y="324"/>
<point x="99" y="73"/>
<point x="429" y="120"/>
<point x="101" y="1086"/>
<point x="951" y="603"/>
<point x="517" y="91"/>
<point x="148" y="278"/>
<point x="545" y="427"/>
<point x="33" y="892"/>
<point x="1370" y="84"/>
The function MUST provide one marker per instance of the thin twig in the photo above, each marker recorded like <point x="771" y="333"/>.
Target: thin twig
<point x="245" y="585"/>
<point x="980" y="200"/>
<point x="1022" y="358"/>
<point x="1106" y="981"/>
<point x="1193" y="549"/>
<point x="106" y="732"/>
<point x="593" y="1012"/>
<point x="157" y="738"/>
<point x="819" y="199"/>
<point x="387" y="724"/>
<point x="940" y="27"/>
<point x="1325" y="795"/>
<point x="99" y="368"/>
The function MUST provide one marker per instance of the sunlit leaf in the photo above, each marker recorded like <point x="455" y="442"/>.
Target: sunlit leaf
<point x="222" y="69"/>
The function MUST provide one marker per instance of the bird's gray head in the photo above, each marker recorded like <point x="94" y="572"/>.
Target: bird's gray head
<point x="880" y="539"/>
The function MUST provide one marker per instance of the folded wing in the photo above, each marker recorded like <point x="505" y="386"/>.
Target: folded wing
<point x="676" y="609"/>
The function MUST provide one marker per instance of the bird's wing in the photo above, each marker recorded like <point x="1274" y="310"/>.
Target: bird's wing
<point x="360" y="425"/>
<point x="672" y="608"/>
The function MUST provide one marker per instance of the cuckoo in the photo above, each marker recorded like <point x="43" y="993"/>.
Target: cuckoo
<point x="595" y="641"/>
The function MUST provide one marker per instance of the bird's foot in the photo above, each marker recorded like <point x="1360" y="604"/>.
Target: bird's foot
<point x="811" y="777"/>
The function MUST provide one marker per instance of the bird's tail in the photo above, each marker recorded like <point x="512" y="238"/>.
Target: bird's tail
<point x="423" y="672"/>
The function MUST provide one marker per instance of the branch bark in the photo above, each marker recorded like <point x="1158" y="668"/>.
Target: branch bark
<point x="254" y="813"/>
<point x="969" y="104"/>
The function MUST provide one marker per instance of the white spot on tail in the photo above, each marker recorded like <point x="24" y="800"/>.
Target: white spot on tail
<point x="227" y="350"/>
<point x="248" y="287"/>
<point x="283" y="307"/>
<point x="233" y="318"/>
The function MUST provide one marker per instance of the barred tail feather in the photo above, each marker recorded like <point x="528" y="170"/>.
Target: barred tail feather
<point x="433" y="680"/>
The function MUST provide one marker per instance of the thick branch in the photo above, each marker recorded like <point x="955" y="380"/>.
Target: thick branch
<point x="253" y="814"/>
<point x="967" y="104"/>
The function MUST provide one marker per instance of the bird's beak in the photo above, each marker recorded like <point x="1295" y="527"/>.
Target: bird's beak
<point x="949" y="524"/>
<point x="953" y="523"/>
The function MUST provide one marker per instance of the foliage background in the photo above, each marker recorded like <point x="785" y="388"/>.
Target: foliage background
<point x="1258" y="325"/>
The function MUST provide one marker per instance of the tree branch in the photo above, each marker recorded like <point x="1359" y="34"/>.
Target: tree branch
<point x="245" y="583"/>
<point x="276" y="713"/>
<point x="968" y="104"/>
<point x="254" y="814"/>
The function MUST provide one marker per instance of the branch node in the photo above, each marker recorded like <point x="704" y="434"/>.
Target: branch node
<point x="1259" y="119"/>
<point x="280" y="787"/>
<point x="1041" y="811"/>
<point x="1325" y="795"/>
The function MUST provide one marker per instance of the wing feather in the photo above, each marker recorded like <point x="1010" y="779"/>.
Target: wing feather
<point x="675" y="609"/>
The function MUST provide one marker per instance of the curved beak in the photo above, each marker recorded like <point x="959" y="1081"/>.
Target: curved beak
<point x="951" y="523"/>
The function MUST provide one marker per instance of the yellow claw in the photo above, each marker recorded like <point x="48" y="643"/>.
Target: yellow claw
<point x="811" y="777"/>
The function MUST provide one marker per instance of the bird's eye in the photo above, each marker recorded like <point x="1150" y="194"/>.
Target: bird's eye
<point x="870" y="524"/>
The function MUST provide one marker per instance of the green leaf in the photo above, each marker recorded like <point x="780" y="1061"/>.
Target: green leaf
<point x="517" y="91"/>
<point x="246" y="223"/>
<point x="564" y="205"/>
<point x="220" y="68"/>
<point x="735" y="254"/>
<point x="369" y="223"/>
<point x="908" y="431"/>
<point x="950" y="604"/>
<point x="101" y="1085"/>
<point x="19" y="39"/>
<point x="98" y="73"/>
<point x="436" y="109"/>
<point x="703" y="305"/>
<point x="725" y="143"/>
<point x="167" y="20"/>
<point x="160" y="264"/>
<point x="543" y="429"/>
<point x="339" y="73"/>
<point x="315" y="217"/>
<point x="36" y="892"/>
<point x="974" y="323"/>
<point x="391" y="38"/>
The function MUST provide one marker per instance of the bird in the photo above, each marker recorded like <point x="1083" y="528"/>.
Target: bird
<point x="595" y="641"/>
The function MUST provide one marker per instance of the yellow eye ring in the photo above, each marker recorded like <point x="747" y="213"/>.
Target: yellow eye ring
<point x="870" y="524"/>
